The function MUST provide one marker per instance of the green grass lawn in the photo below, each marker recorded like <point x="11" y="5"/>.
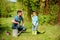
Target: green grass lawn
<point x="47" y="32"/>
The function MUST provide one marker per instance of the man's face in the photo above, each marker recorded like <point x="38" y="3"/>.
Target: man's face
<point x="20" y="13"/>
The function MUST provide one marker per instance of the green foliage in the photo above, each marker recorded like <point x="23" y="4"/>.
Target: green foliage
<point x="52" y="2"/>
<point x="44" y="18"/>
<point x="4" y="8"/>
<point x="30" y="5"/>
<point x="12" y="6"/>
<point x="33" y="4"/>
<point x="51" y="17"/>
<point x="54" y="12"/>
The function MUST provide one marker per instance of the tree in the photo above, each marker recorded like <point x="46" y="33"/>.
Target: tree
<point x="42" y="6"/>
<point x="4" y="8"/>
<point x="59" y="12"/>
<point x="46" y="6"/>
<point x="31" y="5"/>
<point x="25" y="3"/>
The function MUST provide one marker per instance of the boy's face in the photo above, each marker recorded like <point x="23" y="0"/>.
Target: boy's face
<point x="20" y="13"/>
<point x="34" y="13"/>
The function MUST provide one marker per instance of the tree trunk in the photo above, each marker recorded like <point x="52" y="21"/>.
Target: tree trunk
<point x="29" y="11"/>
<point x="42" y="5"/>
<point x="46" y="7"/>
<point x="59" y="12"/>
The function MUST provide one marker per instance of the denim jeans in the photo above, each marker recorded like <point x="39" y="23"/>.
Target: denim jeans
<point x="19" y="28"/>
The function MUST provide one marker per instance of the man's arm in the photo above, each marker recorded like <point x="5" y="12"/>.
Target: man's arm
<point x="22" y="22"/>
<point x="13" y="21"/>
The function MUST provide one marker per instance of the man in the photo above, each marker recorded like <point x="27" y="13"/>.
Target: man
<point x="16" y="23"/>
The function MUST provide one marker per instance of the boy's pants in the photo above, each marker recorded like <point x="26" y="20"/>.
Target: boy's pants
<point x="34" y="28"/>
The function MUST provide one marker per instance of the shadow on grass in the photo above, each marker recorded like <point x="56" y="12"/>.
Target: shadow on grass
<point x="24" y="33"/>
<point x="41" y="33"/>
<point x="3" y="29"/>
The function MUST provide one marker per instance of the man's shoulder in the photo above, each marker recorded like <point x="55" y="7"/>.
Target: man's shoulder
<point x="15" y="16"/>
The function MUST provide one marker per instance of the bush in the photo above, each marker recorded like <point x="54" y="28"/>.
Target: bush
<point x="44" y="19"/>
<point x="51" y="17"/>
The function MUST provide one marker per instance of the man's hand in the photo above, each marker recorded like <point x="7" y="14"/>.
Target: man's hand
<point x="23" y="22"/>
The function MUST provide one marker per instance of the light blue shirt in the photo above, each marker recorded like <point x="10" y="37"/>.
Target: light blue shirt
<point x="35" y="20"/>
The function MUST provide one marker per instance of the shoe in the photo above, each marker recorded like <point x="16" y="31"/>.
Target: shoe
<point x="35" y="32"/>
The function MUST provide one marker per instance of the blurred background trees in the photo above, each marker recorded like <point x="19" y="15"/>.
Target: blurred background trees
<point x="47" y="9"/>
<point x="4" y="8"/>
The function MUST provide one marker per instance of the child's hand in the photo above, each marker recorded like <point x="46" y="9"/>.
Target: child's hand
<point x="34" y="25"/>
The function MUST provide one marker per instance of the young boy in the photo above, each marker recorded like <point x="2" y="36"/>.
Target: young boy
<point x="16" y="23"/>
<point x="34" y="23"/>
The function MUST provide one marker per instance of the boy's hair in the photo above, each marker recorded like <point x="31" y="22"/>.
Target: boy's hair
<point x="35" y="12"/>
<point x="19" y="11"/>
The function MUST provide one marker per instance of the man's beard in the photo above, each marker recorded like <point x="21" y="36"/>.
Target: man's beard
<point x="19" y="15"/>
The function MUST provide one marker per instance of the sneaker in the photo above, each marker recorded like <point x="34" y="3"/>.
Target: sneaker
<point x="35" y="32"/>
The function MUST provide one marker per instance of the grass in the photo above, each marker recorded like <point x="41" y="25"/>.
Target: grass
<point x="47" y="31"/>
<point x="52" y="32"/>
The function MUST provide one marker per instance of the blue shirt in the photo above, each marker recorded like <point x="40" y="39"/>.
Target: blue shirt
<point x="35" y="20"/>
<point x="17" y="19"/>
